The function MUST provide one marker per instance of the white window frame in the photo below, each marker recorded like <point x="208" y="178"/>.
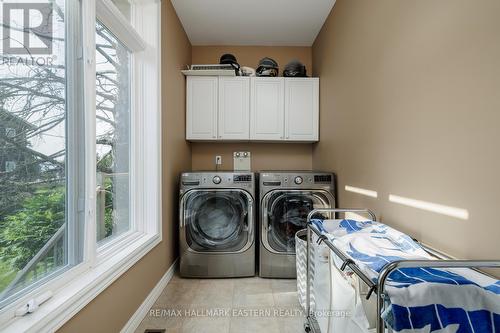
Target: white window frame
<point x="76" y="287"/>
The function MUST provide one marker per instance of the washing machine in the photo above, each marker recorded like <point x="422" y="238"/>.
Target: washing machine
<point x="286" y="198"/>
<point x="217" y="224"/>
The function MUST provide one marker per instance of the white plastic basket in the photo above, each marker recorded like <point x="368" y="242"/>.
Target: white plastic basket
<point x="301" y="266"/>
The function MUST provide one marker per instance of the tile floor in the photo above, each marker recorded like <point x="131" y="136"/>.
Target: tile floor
<point x="226" y="305"/>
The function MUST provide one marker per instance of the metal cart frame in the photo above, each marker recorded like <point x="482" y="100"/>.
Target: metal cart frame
<point x="443" y="261"/>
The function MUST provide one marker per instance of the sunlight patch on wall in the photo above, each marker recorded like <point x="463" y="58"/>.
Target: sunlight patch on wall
<point x="356" y="217"/>
<point x="362" y="191"/>
<point x="459" y="213"/>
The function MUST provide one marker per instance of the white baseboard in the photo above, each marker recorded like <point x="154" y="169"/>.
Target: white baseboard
<point x="143" y="309"/>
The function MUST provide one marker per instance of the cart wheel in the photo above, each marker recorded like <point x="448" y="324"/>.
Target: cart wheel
<point x="307" y="327"/>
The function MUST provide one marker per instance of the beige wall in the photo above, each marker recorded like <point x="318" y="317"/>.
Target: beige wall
<point x="113" y="307"/>
<point x="410" y="106"/>
<point x="265" y="156"/>
<point x="250" y="55"/>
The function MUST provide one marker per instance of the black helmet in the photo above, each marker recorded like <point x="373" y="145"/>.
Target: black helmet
<point x="295" y="69"/>
<point x="267" y="67"/>
<point x="229" y="59"/>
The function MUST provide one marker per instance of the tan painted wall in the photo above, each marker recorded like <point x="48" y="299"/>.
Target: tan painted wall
<point x="250" y="55"/>
<point x="410" y="106"/>
<point x="113" y="308"/>
<point x="265" y="156"/>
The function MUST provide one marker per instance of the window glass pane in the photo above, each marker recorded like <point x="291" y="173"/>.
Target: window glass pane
<point x="34" y="116"/>
<point x="113" y="134"/>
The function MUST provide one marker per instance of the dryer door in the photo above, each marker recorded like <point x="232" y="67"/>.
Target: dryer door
<point x="217" y="220"/>
<point x="284" y="212"/>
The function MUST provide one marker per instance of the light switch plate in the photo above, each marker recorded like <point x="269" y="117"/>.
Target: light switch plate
<point x="242" y="161"/>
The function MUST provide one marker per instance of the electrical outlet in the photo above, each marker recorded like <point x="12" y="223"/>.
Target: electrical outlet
<point x="218" y="160"/>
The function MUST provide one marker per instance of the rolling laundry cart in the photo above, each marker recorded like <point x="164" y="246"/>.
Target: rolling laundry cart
<point x="378" y="285"/>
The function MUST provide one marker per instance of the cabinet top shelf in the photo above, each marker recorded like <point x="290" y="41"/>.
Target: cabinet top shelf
<point x="254" y="77"/>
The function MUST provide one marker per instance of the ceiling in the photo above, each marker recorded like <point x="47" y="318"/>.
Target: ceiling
<point x="253" y="22"/>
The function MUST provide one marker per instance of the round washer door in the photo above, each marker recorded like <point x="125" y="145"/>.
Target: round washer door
<point x="217" y="220"/>
<point x="285" y="213"/>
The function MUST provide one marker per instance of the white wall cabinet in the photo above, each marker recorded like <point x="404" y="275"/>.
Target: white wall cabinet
<point x="218" y="108"/>
<point x="255" y="109"/>
<point x="234" y="108"/>
<point x="301" y="109"/>
<point x="267" y="110"/>
<point x="201" y="107"/>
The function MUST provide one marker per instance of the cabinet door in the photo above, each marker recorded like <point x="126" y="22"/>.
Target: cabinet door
<point x="234" y="108"/>
<point x="301" y="109"/>
<point x="201" y="106"/>
<point x="267" y="108"/>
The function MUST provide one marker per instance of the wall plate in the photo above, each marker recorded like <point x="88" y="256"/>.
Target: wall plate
<point x="242" y="161"/>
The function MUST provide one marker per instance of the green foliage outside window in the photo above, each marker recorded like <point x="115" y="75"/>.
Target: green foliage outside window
<point x="24" y="233"/>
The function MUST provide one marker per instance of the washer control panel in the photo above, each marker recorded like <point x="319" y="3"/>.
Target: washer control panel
<point x="242" y="178"/>
<point x="218" y="179"/>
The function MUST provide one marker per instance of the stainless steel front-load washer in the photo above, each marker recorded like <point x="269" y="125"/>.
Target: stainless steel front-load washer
<point x="217" y="224"/>
<point x="286" y="198"/>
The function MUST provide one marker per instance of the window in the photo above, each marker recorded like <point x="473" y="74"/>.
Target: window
<point x="79" y="151"/>
<point x="36" y="220"/>
<point x="112" y="134"/>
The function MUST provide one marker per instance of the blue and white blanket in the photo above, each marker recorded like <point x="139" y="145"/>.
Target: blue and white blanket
<point x="426" y="300"/>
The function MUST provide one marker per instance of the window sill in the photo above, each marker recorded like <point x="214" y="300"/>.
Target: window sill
<point x="76" y="288"/>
